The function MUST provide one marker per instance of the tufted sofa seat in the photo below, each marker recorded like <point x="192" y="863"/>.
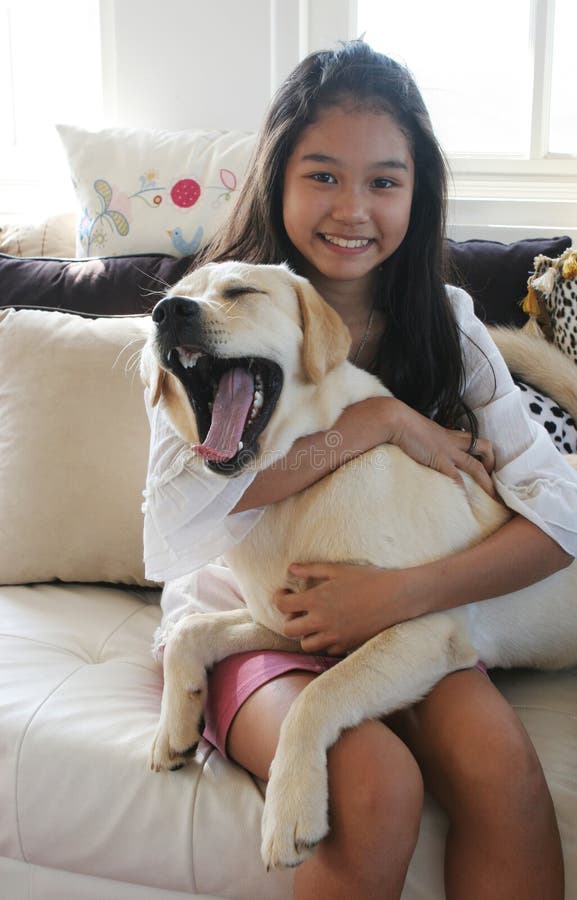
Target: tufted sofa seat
<point x="84" y="818"/>
<point x="79" y="694"/>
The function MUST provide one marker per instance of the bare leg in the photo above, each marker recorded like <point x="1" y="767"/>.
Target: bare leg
<point x="375" y="798"/>
<point x="478" y="761"/>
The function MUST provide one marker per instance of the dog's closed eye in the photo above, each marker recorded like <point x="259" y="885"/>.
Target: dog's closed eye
<point x="237" y="290"/>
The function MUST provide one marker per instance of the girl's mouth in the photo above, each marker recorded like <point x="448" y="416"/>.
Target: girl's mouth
<point x="346" y="243"/>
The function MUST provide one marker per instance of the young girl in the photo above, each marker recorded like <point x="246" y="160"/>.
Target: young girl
<point x="348" y="185"/>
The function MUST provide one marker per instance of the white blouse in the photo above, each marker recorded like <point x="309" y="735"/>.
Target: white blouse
<point x="187" y="520"/>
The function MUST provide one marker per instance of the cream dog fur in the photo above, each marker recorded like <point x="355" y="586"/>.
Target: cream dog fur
<point x="397" y="514"/>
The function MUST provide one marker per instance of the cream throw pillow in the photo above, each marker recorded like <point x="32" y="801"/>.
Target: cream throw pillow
<point x="73" y="448"/>
<point x="54" y="236"/>
<point x="147" y="191"/>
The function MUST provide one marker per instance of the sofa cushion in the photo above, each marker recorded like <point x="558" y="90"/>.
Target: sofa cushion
<point x="79" y="703"/>
<point x="116" y="285"/>
<point x="74" y="442"/>
<point x="52" y="236"/>
<point x="147" y="191"/>
<point x="494" y="274"/>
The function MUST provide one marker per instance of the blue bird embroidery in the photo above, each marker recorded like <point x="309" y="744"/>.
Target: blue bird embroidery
<point x="184" y="247"/>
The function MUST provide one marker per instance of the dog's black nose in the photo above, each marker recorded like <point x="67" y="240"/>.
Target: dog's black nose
<point x="174" y="309"/>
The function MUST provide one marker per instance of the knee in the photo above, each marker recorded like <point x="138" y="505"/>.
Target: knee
<point x="375" y="781"/>
<point x="499" y="770"/>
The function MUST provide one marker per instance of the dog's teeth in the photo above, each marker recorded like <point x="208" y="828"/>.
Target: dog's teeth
<point x="187" y="358"/>
<point x="257" y="403"/>
<point x="240" y="445"/>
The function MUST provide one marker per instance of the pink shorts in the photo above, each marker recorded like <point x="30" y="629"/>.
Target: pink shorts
<point x="233" y="680"/>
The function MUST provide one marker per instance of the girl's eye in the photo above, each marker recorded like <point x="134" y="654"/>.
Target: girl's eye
<point x="324" y="178"/>
<point x="383" y="183"/>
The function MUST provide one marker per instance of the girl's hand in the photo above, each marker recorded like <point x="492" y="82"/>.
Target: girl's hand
<point x="440" y="448"/>
<point x="349" y="605"/>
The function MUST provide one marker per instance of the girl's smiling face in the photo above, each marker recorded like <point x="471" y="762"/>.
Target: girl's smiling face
<point x="347" y="195"/>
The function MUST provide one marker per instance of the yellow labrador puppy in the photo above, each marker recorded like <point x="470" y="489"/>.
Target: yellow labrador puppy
<point x="264" y="336"/>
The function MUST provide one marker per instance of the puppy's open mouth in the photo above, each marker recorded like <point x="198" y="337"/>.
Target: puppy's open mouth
<point x="232" y="399"/>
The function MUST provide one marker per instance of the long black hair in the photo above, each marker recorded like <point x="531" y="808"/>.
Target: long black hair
<point x="419" y="357"/>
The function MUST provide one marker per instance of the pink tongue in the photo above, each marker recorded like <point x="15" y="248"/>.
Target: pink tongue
<point x="234" y="397"/>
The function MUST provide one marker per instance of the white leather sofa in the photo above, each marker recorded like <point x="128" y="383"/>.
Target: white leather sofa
<point x="81" y="815"/>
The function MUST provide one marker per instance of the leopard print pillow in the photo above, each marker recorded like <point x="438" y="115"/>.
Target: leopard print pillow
<point x="554" y="287"/>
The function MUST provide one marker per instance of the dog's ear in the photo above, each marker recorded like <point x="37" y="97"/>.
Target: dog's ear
<point x="152" y="375"/>
<point x="327" y="339"/>
<point x="155" y="385"/>
<point x="178" y="408"/>
<point x="176" y="404"/>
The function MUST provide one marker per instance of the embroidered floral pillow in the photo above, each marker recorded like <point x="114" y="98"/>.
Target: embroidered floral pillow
<point x="552" y="299"/>
<point x="146" y="191"/>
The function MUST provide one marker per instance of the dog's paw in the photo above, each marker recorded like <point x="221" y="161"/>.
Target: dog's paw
<point x="178" y="732"/>
<point x="295" y="816"/>
<point x="164" y="758"/>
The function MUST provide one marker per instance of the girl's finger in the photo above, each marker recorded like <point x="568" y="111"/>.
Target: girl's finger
<point x="451" y="471"/>
<point x="288" y="602"/>
<point x="483" y="451"/>
<point x="478" y="472"/>
<point x="312" y="570"/>
<point x="312" y="643"/>
<point x="296" y="628"/>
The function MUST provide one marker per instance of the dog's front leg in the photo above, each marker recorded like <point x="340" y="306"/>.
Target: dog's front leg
<point x="393" y="670"/>
<point x="194" y="645"/>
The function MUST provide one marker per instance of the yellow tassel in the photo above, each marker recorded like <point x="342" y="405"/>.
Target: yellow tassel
<point x="533" y="328"/>
<point x="530" y="304"/>
<point x="569" y="269"/>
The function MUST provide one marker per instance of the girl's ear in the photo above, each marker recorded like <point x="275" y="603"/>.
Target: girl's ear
<point x="327" y="339"/>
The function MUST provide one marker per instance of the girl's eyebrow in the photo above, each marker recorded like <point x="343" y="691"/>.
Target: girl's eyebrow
<point x="383" y="164"/>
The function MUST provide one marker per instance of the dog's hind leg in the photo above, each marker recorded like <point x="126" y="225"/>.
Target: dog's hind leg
<point x="393" y="670"/>
<point x="193" y="646"/>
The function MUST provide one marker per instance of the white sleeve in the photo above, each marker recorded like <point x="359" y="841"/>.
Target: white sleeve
<point x="186" y="505"/>
<point x="531" y="476"/>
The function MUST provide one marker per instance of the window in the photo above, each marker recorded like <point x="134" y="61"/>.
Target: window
<point x="497" y="77"/>
<point x="50" y="70"/>
<point x="563" y="125"/>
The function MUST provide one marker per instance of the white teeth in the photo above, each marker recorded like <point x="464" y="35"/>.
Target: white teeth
<point x="187" y="358"/>
<point x="258" y="398"/>
<point x="240" y="445"/>
<point x="256" y="404"/>
<point x="342" y="242"/>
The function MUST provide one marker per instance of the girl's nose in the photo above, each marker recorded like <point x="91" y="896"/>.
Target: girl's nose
<point x="350" y="206"/>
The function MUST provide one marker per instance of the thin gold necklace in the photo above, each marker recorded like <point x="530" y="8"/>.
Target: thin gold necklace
<point x="365" y="336"/>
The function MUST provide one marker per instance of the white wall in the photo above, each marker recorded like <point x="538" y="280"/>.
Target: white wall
<point x="187" y="63"/>
<point x="177" y="64"/>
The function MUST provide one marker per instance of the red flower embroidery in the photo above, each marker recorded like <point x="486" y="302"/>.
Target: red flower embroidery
<point x="185" y="192"/>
